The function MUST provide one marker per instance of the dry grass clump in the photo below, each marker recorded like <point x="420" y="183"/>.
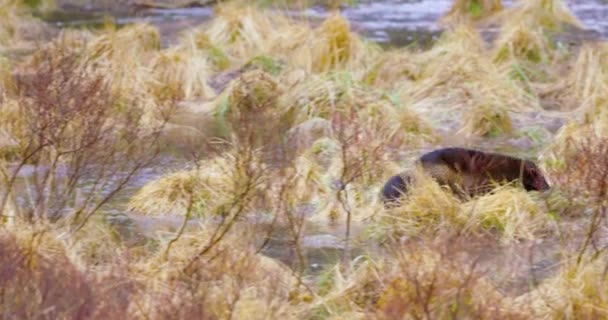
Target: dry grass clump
<point x="525" y="43"/>
<point x="519" y="41"/>
<point x="486" y="118"/>
<point x="335" y="45"/>
<point x="475" y="10"/>
<point x="433" y="281"/>
<point x="453" y="74"/>
<point x="176" y="192"/>
<point x="11" y="124"/>
<point x="207" y="190"/>
<point x="178" y="70"/>
<point x="17" y="27"/>
<point x="586" y="83"/>
<point x="548" y="14"/>
<point x="229" y="280"/>
<point x="124" y="54"/>
<point x="337" y="96"/>
<point x="251" y="100"/>
<point x="510" y="211"/>
<point x="576" y="160"/>
<point x="40" y="279"/>
<point x="240" y="32"/>
<point x="427" y="208"/>
<point x="331" y="45"/>
<point x="577" y="291"/>
<point x="394" y="68"/>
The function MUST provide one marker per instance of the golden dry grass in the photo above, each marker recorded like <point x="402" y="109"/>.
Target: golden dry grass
<point x="428" y="208"/>
<point x="331" y="96"/>
<point x="577" y="291"/>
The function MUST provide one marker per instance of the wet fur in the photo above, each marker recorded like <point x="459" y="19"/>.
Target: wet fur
<point x="469" y="173"/>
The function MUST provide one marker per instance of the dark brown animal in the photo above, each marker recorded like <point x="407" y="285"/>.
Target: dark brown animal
<point x="469" y="172"/>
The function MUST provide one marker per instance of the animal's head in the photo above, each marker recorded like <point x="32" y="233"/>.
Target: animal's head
<point x="394" y="188"/>
<point x="533" y="178"/>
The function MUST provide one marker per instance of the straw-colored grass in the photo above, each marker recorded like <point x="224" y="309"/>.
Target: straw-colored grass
<point x="585" y="85"/>
<point x="549" y="14"/>
<point x="411" y="282"/>
<point x="510" y="211"/>
<point x="181" y="71"/>
<point x="486" y="118"/>
<point x="241" y="32"/>
<point x="394" y="69"/>
<point x="349" y="114"/>
<point x="577" y="291"/>
<point x="197" y="190"/>
<point x="428" y="208"/>
<point x="463" y="10"/>
<point x="15" y="23"/>
<point x="452" y="84"/>
<point x="12" y="127"/>
<point x="233" y="280"/>
<point x="124" y="53"/>
<point x="523" y="42"/>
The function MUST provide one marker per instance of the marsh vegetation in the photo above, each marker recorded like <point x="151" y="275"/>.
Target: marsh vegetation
<point x="236" y="173"/>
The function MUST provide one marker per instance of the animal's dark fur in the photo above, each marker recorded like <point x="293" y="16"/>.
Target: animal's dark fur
<point x="470" y="172"/>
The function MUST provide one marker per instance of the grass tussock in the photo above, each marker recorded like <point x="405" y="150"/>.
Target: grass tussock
<point x="427" y="208"/>
<point x="519" y="41"/>
<point x="337" y="96"/>
<point x="577" y="291"/>
<point x="548" y="14"/>
<point x="205" y="191"/>
<point x="414" y="280"/>
<point x="576" y="160"/>
<point x="182" y="72"/>
<point x="485" y="118"/>
<point x="392" y="67"/>
<point x="17" y="26"/>
<point x="511" y="212"/>
<point x="475" y="10"/>
<point x="239" y="33"/>
<point x="451" y="78"/>
<point x="231" y="280"/>
<point x="585" y="85"/>
<point x="316" y="118"/>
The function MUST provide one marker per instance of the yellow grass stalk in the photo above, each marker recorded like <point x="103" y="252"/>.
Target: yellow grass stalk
<point x="486" y="117"/>
<point x="577" y="291"/>
<point x="428" y="208"/>
<point x="475" y="10"/>
<point x="458" y="67"/>
<point x="521" y="41"/>
<point x="586" y="83"/>
<point x="179" y="70"/>
<point x="510" y="211"/>
<point x="549" y="14"/>
<point x="231" y="280"/>
<point x="176" y="192"/>
<point x="394" y="68"/>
